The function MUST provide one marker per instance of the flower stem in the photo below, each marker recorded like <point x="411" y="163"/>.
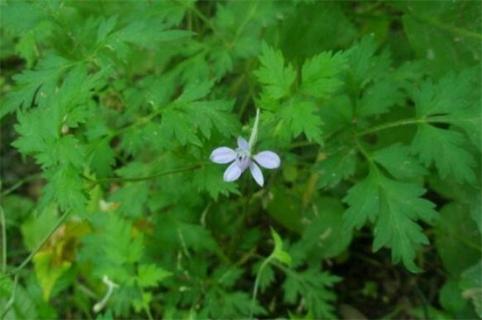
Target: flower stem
<point x="254" y="131"/>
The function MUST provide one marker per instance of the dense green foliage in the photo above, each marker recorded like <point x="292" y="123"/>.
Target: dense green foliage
<point x="111" y="208"/>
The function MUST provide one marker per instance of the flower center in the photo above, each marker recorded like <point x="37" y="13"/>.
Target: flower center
<point x="243" y="158"/>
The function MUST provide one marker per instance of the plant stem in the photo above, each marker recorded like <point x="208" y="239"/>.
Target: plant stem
<point x="389" y="125"/>
<point x="256" y="283"/>
<point x="405" y="122"/>
<point x="148" y="311"/>
<point x="312" y="181"/>
<point x="138" y="179"/>
<point x="10" y="301"/>
<point x="4" y="240"/>
<point x="254" y="131"/>
<point x="38" y="247"/>
<point x="363" y="150"/>
<point x="19" y="184"/>
<point x="134" y="124"/>
<point x="447" y="27"/>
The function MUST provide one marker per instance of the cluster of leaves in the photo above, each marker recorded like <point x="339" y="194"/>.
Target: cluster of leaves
<point x="375" y="112"/>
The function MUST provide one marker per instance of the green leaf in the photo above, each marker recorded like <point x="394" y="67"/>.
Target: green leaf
<point x="471" y="284"/>
<point x="447" y="150"/>
<point x="33" y="86"/>
<point x="244" y="32"/>
<point x="132" y="198"/>
<point x="112" y="247"/>
<point x="66" y="188"/>
<point x="300" y="117"/>
<point x="394" y="207"/>
<point x="315" y="289"/>
<point x="27" y="48"/>
<point x="149" y="275"/>
<point x="379" y="98"/>
<point x="337" y="166"/>
<point x="457" y="238"/>
<point x="37" y="226"/>
<point x="210" y="179"/>
<point x="101" y="157"/>
<point x="228" y="276"/>
<point x="48" y="271"/>
<point x="285" y="209"/>
<point x="364" y="65"/>
<point x="146" y="33"/>
<point x="23" y="307"/>
<point x="195" y="90"/>
<point x="323" y="25"/>
<point x="451" y="298"/>
<point x="229" y="305"/>
<point x="185" y="236"/>
<point x="445" y="102"/>
<point x="275" y="77"/>
<point x="278" y="252"/>
<point x="38" y="130"/>
<point x="452" y="28"/>
<point x="320" y="74"/>
<point x="177" y="125"/>
<point x="206" y="115"/>
<point x="449" y="96"/>
<point x="324" y="235"/>
<point x="398" y="161"/>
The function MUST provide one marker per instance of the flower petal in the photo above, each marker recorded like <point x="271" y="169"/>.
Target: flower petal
<point x="256" y="173"/>
<point x="243" y="144"/>
<point x="268" y="159"/>
<point x="233" y="172"/>
<point x="222" y="155"/>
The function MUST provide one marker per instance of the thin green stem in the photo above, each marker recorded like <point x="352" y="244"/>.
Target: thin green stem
<point x="4" y="240"/>
<point x="248" y="18"/>
<point x="301" y="144"/>
<point x="442" y="119"/>
<point x="19" y="184"/>
<point x="201" y="16"/>
<point x="256" y="283"/>
<point x="141" y="121"/>
<point x="254" y="131"/>
<point x="204" y="19"/>
<point x="10" y="301"/>
<point x="363" y="151"/>
<point x="26" y="261"/>
<point x="287" y="271"/>
<point x="447" y="27"/>
<point x="147" y="309"/>
<point x="148" y="312"/>
<point x="138" y="179"/>
<point x="394" y="124"/>
<point x="312" y="181"/>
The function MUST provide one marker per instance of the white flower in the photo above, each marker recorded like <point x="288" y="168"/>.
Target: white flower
<point x="241" y="158"/>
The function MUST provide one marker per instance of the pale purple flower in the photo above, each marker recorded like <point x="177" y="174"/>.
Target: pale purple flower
<point x="241" y="159"/>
